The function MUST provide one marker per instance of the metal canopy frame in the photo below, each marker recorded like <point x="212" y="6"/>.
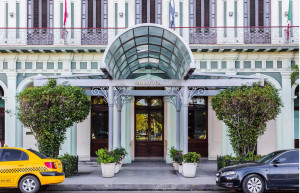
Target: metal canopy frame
<point x="148" y="46"/>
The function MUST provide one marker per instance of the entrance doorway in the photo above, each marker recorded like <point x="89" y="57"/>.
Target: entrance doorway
<point x="149" y="130"/>
<point x="99" y="124"/>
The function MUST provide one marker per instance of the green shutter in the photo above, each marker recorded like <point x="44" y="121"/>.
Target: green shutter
<point x="181" y="17"/>
<point x="225" y="18"/>
<point x="280" y="17"/>
<point x="116" y="18"/>
<point x="235" y="19"/>
<point x="6" y="20"/>
<point x="72" y="20"/>
<point x="126" y="15"/>
<point x="61" y="18"/>
<point x="17" y="20"/>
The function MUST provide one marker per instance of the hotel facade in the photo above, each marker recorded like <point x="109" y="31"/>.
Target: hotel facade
<point x="150" y="84"/>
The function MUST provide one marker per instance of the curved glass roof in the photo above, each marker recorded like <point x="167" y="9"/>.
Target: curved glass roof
<point x="148" y="46"/>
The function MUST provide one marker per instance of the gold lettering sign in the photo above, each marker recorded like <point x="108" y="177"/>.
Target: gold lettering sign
<point x="148" y="83"/>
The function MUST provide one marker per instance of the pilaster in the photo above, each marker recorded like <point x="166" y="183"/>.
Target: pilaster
<point x="11" y="104"/>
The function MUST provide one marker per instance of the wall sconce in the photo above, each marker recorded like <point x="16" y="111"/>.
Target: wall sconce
<point x="121" y="14"/>
<point x="176" y="14"/>
<point x="286" y="14"/>
<point x="11" y="14"/>
<point x="230" y="13"/>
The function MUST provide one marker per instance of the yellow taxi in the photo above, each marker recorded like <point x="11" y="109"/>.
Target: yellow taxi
<point x="28" y="170"/>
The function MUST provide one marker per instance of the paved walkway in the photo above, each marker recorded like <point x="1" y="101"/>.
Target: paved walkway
<point x="141" y="175"/>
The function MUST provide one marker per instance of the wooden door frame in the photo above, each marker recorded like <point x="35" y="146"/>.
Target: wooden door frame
<point x="149" y="109"/>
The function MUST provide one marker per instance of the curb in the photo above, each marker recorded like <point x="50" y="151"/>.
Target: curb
<point x="134" y="187"/>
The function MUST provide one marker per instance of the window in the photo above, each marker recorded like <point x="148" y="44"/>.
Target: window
<point x="203" y="13"/>
<point x="13" y="155"/>
<point x="99" y="118"/>
<point x="148" y="11"/>
<point x="40" y="13"/>
<point x="198" y="118"/>
<point x="37" y="153"/>
<point x="288" y="157"/>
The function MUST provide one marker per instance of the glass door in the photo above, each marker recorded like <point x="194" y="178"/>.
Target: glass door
<point x="149" y="127"/>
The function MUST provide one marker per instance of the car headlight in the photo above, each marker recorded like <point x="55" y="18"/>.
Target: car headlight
<point x="228" y="173"/>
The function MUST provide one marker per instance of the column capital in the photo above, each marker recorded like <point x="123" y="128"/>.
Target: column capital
<point x="11" y="75"/>
<point x="285" y="74"/>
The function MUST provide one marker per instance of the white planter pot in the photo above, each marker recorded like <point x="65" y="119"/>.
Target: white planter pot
<point x="189" y="169"/>
<point x="122" y="162"/>
<point x="180" y="169"/>
<point x="117" y="168"/>
<point x="108" y="170"/>
<point x="175" y="166"/>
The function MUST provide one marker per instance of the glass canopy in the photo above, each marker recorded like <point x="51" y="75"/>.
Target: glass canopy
<point x="148" y="46"/>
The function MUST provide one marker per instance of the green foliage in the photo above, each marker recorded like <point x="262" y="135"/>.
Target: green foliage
<point x="105" y="156"/>
<point x="191" y="157"/>
<point x="295" y="74"/>
<point x="173" y="152"/>
<point x="228" y="160"/>
<point x="70" y="164"/>
<point x="120" y="151"/>
<point x="246" y="110"/>
<point x="49" y="110"/>
<point x="178" y="158"/>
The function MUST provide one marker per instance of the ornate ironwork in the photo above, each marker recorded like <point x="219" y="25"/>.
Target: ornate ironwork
<point x="101" y="91"/>
<point x="124" y="93"/>
<point x="203" y="36"/>
<point x="40" y="37"/>
<point x="95" y="36"/>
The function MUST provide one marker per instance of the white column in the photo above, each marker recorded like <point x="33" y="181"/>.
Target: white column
<point x="185" y="105"/>
<point x="110" y="117"/>
<point x="10" y="126"/>
<point x="286" y="135"/>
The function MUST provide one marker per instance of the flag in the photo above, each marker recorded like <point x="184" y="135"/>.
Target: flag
<point x="65" y="16"/>
<point x="288" y="21"/>
<point x="172" y="13"/>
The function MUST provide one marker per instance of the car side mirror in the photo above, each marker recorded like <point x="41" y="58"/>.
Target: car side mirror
<point x="275" y="162"/>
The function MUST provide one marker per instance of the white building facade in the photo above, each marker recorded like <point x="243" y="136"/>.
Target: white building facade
<point x="228" y="37"/>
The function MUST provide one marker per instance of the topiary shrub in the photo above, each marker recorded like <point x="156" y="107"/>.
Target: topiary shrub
<point x="70" y="164"/>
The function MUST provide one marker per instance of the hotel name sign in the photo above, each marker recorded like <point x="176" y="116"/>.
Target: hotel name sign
<point x="148" y="82"/>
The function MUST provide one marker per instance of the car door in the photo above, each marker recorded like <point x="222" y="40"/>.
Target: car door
<point x="12" y="163"/>
<point x="284" y="170"/>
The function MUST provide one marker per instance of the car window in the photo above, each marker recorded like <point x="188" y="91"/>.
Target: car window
<point x="288" y="157"/>
<point x="42" y="156"/>
<point x="13" y="155"/>
<point x="268" y="157"/>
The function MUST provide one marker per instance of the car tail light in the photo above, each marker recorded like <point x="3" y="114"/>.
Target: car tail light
<point x="50" y="165"/>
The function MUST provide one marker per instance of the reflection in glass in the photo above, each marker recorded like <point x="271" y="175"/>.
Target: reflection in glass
<point x="197" y="124"/>
<point x="156" y="126"/>
<point x="141" y="126"/>
<point x="100" y="125"/>
<point x="141" y="102"/>
<point x="156" y="102"/>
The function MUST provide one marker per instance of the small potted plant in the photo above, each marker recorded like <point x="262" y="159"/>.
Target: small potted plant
<point x="173" y="153"/>
<point x="122" y="152"/>
<point x="107" y="161"/>
<point x="190" y="161"/>
<point x="178" y="159"/>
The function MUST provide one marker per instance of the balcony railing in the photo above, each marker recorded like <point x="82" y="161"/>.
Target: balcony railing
<point x="192" y="35"/>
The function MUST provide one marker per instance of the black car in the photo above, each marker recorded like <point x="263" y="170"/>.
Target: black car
<point x="277" y="170"/>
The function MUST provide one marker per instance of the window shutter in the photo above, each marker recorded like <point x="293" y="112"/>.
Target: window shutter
<point x="29" y="14"/>
<point x="159" y="6"/>
<point x="98" y="13"/>
<point x="137" y="11"/>
<point x="83" y="15"/>
<point x="44" y="14"/>
<point x="245" y="13"/>
<point x="198" y="13"/>
<point x="152" y="11"/>
<point x="90" y="14"/>
<point x="50" y="14"/>
<point x="213" y="14"/>
<point x="36" y="13"/>
<point x="191" y="10"/>
<point x="144" y="12"/>
<point x="104" y="15"/>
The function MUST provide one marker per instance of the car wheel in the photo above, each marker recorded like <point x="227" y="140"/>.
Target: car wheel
<point x="253" y="184"/>
<point x="29" y="184"/>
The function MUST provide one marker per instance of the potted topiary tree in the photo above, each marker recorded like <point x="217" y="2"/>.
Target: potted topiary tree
<point x="178" y="159"/>
<point x="107" y="161"/>
<point x="190" y="161"/>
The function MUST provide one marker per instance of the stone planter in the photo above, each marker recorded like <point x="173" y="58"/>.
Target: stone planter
<point x="175" y="166"/>
<point x="108" y="170"/>
<point x="117" y="168"/>
<point x="189" y="170"/>
<point x="180" y="169"/>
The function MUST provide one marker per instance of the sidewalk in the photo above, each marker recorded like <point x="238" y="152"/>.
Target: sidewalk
<point x="141" y="175"/>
